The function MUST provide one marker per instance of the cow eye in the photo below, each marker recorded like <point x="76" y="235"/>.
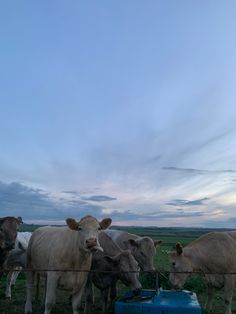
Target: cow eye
<point x="99" y="228"/>
<point x="173" y="264"/>
<point x="79" y="229"/>
<point x="142" y="253"/>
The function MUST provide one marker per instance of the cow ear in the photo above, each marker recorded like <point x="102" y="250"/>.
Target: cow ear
<point x="157" y="242"/>
<point x="105" y="223"/>
<point x="72" y="223"/>
<point x="19" y="220"/>
<point x="179" y="248"/>
<point x="112" y="259"/>
<point x="133" y="242"/>
<point x="2" y="220"/>
<point x="108" y="258"/>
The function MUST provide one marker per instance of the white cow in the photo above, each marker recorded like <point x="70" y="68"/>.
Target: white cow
<point x="54" y="250"/>
<point x="142" y="248"/>
<point x="214" y="255"/>
<point x="16" y="260"/>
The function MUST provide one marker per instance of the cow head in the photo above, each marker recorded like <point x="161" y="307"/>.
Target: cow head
<point x="17" y="256"/>
<point x="127" y="267"/>
<point x="88" y="229"/>
<point x="143" y="249"/>
<point x="180" y="267"/>
<point x="8" y="232"/>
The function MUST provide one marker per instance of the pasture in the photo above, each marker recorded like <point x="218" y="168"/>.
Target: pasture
<point x="169" y="236"/>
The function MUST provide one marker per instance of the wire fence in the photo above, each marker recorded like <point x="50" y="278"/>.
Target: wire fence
<point x="154" y="272"/>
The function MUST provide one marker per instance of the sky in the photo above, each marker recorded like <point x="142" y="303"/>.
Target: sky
<point x="121" y="109"/>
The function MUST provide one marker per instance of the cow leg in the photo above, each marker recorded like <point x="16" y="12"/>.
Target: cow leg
<point x="104" y="294"/>
<point x="11" y="280"/>
<point x="228" y="292"/>
<point x="29" y="288"/>
<point x="44" y="292"/>
<point x="76" y="299"/>
<point x="8" y="286"/>
<point x="113" y="294"/>
<point x="88" y="295"/>
<point x="51" y="288"/>
<point x="15" y="275"/>
<point x="37" y="288"/>
<point x="210" y="295"/>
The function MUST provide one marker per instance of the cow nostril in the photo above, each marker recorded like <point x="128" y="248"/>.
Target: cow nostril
<point x="91" y="241"/>
<point x="9" y="245"/>
<point x="137" y="291"/>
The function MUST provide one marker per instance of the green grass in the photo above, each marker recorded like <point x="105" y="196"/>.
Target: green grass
<point x="169" y="236"/>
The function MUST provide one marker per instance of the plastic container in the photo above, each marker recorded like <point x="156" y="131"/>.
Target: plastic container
<point x="165" y="302"/>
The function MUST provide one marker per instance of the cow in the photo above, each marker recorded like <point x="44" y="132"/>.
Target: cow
<point x="213" y="255"/>
<point x="16" y="260"/>
<point x="52" y="251"/>
<point x="8" y="232"/>
<point x="107" y="268"/>
<point x="142" y="248"/>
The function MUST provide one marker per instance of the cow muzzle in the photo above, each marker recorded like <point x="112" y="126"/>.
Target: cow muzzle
<point x="9" y="245"/>
<point x="93" y="245"/>
<point x="175" y="287"/>
<point x="137" y="291"/>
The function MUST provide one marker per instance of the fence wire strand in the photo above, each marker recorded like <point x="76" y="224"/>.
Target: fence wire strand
<point x="154" y="272"/>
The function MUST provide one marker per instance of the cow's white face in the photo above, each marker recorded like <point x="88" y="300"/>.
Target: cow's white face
<point x="88" y="228"/>
<point x="144" y="250"/>
<point x="180" y="268"/>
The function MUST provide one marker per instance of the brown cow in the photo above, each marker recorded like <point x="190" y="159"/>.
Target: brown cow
<point x="8" y="232"/>
<point x="142" y="248"/>
<point x="108" y="267"/>
<point x="214" y="255"/>
<point x="54" y="249"/>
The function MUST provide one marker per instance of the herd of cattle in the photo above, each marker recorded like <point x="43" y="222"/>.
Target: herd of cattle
<point x="80" y="254"/>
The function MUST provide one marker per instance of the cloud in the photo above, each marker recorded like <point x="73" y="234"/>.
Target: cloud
<point x="197" y="171"/>
<point x="154" y="216"/>
<point x="17" y="199"/>
<point x="180" y="202"/>
<point x="99" y="198"/>
<point x="71" y="192"/>
<point x="34" y="204"/>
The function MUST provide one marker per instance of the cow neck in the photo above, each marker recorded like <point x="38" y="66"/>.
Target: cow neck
<point x="109" y="246"/>
<point x="128" y="246"/>
<point x="3" y="256"/>
<point x="79" y="248"/>
<point x="190" y="253"/>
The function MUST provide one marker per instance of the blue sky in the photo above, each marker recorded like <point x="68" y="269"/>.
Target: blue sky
<point x="120" y="108"/>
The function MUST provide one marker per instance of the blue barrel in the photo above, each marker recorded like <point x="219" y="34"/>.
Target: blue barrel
<point x="164" y="302"/>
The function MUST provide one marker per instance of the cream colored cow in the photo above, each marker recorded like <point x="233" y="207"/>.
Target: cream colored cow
<point x="54" y="249"/>
<point x="214" y="255"/>
<point x="142" y="248"/>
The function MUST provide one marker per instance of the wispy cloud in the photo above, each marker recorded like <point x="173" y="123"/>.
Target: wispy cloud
<point x="99" y="198"/>
<point x="198" y="171"/>
<point x="180" y="202"/>
<point x="71" y="192"/>
<point x="155" y="216"/>
<point x="31" y="203"/>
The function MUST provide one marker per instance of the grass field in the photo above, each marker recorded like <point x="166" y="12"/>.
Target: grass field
<point x="169" y="236"/>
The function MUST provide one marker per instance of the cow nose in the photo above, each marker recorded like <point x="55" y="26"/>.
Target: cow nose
<point x="9" y="245"/>
<point x="174" y="286"/>
<point x="137" y="292"/>
<point x="91" y="242"/>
